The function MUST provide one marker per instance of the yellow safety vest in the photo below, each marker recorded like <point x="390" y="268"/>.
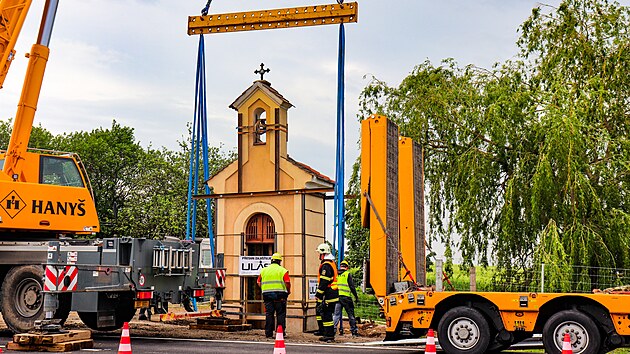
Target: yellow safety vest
<point x="342" y="283"/>
<point x="272" y="278"/>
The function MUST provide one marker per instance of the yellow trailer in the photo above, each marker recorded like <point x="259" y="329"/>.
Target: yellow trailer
<point x="466" y="322"/>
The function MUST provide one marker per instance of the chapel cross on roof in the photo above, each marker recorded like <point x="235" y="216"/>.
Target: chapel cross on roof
<point x="262" y="71"/>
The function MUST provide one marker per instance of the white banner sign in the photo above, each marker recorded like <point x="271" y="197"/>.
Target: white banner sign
<point x="312" y="288"/>
<point x="252" y="265"/>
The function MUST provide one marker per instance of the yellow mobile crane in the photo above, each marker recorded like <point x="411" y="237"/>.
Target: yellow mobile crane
<point x="42" y="193"/>
<point x="46" y="198"/>
<point x="466" y="322"/>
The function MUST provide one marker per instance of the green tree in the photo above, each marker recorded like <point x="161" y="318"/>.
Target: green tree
<point x="530" y="158"/>
<point x="157" y="205"/>
<point x="112" y="160"/>
<point x="139" y="192"/>
<point x="356" y="235"/>
<point x="40" y="138"/>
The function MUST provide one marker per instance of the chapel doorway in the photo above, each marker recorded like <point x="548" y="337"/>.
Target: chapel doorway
<point x="260" y="237"/>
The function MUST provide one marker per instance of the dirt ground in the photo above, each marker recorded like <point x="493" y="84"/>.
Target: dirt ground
<point x="368" y="331"/>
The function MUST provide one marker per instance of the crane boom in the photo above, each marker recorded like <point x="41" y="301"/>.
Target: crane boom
<point x="12" y="16"/>
<point x="22" y="127"/>
<point x="276" y="18"/>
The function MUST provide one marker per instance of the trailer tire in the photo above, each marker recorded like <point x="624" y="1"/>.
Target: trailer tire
<point x="464" y="330"/>
<point x="585" y="335"/>
<point x="23" y="300"/>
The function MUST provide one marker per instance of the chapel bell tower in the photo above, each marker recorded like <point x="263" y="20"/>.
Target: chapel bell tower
<point x="262" y="131"/>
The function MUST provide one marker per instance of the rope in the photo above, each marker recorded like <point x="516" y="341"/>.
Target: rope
<point x="204" y="11"/>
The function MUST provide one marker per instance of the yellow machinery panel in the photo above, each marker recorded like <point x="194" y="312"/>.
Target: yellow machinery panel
<point x="622" y="322"/>
<point x="381" y="155"/>
<point x="411" y="210"/>
<point x="276" y="18"/>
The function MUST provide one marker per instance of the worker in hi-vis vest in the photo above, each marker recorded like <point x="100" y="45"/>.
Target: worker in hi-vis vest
<point x="327" y="294"/>
<point x="346" y="286"/>
<point x="276" y="286"/>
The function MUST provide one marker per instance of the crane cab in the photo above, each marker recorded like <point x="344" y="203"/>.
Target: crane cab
<point x="51" y="194"/>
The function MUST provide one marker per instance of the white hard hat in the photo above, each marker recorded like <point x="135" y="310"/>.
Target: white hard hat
<point x="323" y="248"/>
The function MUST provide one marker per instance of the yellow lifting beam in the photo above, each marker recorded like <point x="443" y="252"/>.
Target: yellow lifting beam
<point x="276" y="18"/>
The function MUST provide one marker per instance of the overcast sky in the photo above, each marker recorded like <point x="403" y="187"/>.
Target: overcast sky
<point x="132" y="60"/>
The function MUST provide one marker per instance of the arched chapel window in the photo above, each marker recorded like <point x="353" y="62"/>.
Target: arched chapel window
<point x="260" y="228"/>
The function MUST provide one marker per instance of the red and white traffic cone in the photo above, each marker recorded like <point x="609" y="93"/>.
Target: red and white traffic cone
<point x="429" y="348"/>
<point x="125" y="341"/>
<point x="566" y="344"/>
<point x="279" y="347"/>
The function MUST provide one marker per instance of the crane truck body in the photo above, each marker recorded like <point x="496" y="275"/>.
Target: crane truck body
<point x="466" y="322"/>
<point x="46" y="201"/>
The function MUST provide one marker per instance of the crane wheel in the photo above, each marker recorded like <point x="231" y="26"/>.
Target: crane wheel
<point x="23" y="299"/>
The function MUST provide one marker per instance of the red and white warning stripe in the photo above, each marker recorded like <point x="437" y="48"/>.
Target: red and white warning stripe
<point x="220" y="277"/>
<point x="125" y="342"/>
<point x="54" y="279"/>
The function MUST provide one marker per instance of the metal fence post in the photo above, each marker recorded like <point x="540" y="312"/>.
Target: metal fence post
<point x="438" y="275"/>
<point x="473" y="279"/>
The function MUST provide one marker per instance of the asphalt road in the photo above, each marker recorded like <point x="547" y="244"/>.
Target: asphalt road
<point x="143" y="345"/>
<point x="193" y="346"/>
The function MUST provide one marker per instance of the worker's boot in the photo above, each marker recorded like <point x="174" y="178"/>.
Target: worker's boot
<point x="329" y="334"/>
<point x="327" y="339"/>
<point x="320" y="328"/>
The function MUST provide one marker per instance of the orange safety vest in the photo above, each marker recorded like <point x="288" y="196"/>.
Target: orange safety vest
<point x="333" y="283"/>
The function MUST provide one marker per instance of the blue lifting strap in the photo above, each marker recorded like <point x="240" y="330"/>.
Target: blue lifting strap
<point x="199" y="146"/>
<point x="340" y="223"/>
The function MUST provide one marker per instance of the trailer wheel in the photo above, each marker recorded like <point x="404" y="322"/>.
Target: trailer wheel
<point x="464" y="330"/>
<point x="585" y="336"/>
<point x="23" y="299"/>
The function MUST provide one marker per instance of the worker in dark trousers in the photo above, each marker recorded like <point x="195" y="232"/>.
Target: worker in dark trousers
<point x="346" y="286"/>
<point x="275" y="284"/>
<point x="327" y="294"/>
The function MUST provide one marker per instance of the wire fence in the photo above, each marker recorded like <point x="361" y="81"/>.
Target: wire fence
<point x="541" y="278"/>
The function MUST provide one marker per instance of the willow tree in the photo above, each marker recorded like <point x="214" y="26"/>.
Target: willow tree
<point x="529" y="159"/>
